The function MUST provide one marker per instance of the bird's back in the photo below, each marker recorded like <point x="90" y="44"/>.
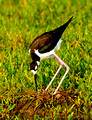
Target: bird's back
<point x="48" y="40"/>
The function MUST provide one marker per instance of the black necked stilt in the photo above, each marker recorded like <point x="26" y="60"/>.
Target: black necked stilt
<point x="44" y="46"/>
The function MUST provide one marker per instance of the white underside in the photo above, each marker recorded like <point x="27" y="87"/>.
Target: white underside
<point x="49" y="54"/>
<point x="57" y="47"/>
<point x="46" y="55"/>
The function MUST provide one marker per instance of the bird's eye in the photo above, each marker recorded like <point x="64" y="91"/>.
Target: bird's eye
<point x="35" y="67"/>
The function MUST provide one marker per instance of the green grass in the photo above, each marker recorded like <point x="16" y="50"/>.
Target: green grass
<point x="23" y="20"/>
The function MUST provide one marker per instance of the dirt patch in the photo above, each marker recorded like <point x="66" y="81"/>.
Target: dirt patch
<point x="44" y="105"/>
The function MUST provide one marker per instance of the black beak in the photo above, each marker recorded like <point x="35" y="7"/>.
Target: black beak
<point x="35" y="81"/>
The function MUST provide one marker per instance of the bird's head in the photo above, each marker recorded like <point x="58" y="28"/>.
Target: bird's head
<point x="34" y="67"/>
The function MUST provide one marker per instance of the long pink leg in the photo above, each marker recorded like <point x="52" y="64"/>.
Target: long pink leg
<point x="54" y="77"/>
<point x="67" y="69"/>
<point x="61" y="64"/>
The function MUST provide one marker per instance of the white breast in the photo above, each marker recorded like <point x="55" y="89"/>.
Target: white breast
<point x="29" y="50"/>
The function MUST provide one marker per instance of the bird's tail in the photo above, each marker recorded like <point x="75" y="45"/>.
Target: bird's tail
<point x="69" y="20"/>
<point x="62" y="28"/>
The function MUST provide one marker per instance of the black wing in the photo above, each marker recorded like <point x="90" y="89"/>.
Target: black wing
<point x="44" y="43"/>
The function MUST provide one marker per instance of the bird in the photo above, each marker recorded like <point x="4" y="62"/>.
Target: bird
<point x="44" y="46"/>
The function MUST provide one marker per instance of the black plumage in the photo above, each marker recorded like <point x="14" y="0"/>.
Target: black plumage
<point x="48" y="40"/>
<point x="45" y="43"/>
